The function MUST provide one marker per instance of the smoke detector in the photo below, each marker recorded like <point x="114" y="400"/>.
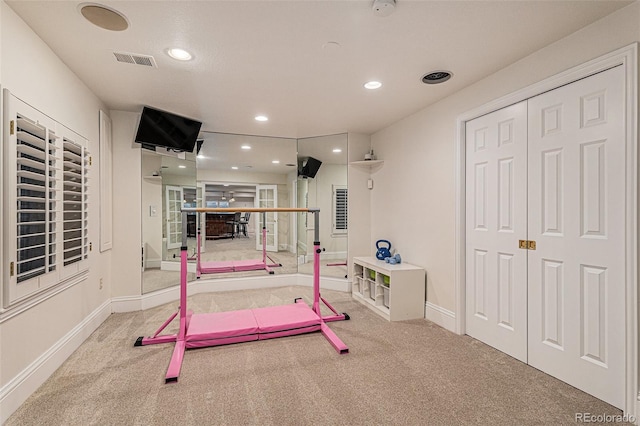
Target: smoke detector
<point x="436" y="77"/>
<point x="383" y="7"/>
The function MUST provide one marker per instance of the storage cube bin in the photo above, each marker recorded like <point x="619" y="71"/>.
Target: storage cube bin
<point x="385" y="296"/>
<point x="372" y="274"/>
<point x="372" y="290"/>
<point x="385" y="279"/>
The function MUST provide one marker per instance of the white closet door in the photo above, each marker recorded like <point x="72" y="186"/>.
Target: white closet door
<point x="577" y="218"/>
<point x="496" y="206"/>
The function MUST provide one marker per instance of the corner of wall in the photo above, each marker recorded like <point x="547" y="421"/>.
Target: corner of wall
<point x="359" y="205"/>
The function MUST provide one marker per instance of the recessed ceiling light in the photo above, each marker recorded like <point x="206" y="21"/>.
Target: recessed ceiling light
<point x="200" y="156"/>
<point x="104" y="17"/>
<point x="262" y="118"/>
<point x="337" y="150"/>
<point x="179" y="54"/>
<point x="276" y="161"/>
<point x="245" y="147"/>
<point x="371" y="85"/>
<point x="226" y="184"/>
<point x="182" y="166"/>
<point x="234" y="167"/>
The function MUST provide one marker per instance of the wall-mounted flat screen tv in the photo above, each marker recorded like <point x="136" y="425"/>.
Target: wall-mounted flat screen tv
<point x="308" y="167"/>
<point x="171" y="131"/>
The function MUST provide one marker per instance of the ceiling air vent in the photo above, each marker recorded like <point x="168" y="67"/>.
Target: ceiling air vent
<point x="136" y="59"/>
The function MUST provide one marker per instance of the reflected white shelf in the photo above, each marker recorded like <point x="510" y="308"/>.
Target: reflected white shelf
<point x="367" y="163"/>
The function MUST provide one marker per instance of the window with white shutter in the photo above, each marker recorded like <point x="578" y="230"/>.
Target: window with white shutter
<point x="74" y="203"/>
<point x="36" y="189"/>
<point x="45" y="218"/>
<point x="339" y="209"/>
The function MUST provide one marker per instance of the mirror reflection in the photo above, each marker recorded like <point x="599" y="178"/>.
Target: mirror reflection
<point x="168" y="183"/>
<point x="247" y="171"/>
<point x="322" y="183"/>
<point x="244" y="171"/>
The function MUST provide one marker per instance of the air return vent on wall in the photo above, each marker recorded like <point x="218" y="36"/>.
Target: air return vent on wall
<point x="136" y="59"/>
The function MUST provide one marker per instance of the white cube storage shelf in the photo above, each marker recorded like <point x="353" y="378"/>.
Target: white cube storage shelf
<point x="395" y="292"/>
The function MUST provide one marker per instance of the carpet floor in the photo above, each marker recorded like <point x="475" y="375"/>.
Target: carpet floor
<point x="397" y="373"/>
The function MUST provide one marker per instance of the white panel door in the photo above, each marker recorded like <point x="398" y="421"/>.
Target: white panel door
<point x="577" y="218"/>
<point x="496" y="269"/>
<point x="268" y="198"/>
<point x="174" y="196"/>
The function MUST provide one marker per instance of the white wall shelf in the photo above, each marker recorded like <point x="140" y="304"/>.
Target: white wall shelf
<point x="370" y="164"/>
<point x="395" y="292"/>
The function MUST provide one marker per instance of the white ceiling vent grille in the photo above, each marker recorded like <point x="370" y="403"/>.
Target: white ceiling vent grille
<point x="136" y="59"/>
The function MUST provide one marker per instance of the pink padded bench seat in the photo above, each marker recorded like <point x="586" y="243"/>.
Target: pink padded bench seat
<point x="221" y="328"/>
<point x="218" y="325"/>
<point x="217" y="267"/>
<point x="286" y="317"/>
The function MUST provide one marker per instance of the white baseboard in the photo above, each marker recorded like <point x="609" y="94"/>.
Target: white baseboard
<point x="325" y="255"/>
<point x="167" y="265"/>
<point x="172" y="294"/>
<point x="441" y="316"/>
<point x="153" y="263"/>
<point x="18" y="389"/>
<point x="328" y="283"/>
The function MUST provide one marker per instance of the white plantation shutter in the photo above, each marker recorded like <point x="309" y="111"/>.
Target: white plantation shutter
<point x="339" y="209"/>
<point x="37" y="175"/>
<point x="46" y="205"/>
<point x="74" y="203"/>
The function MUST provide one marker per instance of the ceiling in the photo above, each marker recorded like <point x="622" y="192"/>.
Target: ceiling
<point x="301" y="63"/>
<point x="223" y="151"/>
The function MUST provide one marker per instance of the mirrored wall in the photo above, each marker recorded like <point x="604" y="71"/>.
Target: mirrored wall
<point x="245" y="171"/>
<point x="322" y="183"/>
<point x="168" y="183"/>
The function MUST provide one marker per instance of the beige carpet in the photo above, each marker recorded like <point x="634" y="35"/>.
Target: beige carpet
<point x="401" y="373"/>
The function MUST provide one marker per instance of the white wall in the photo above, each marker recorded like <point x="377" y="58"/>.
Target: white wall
<point x="127" y="202"/>
<point x="27" y="338"/>
<point x="412" y="203"/>
<point x="151" y="193"/>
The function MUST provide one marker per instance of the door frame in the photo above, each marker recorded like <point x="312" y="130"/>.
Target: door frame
<point x="167" y="225"/>
<point x="627" y="58"/>
<point x="276" y="246"/>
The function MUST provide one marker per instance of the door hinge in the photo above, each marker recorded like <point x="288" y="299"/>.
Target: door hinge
<point x="90" y="159"/>
<point x="527" y="244"/>
<point x="90" y="246"/>
<point x="11" y="269"/>
<point x="12" y="127"/>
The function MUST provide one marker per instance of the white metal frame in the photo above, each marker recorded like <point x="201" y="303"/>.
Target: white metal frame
<point x="627" y="57"/>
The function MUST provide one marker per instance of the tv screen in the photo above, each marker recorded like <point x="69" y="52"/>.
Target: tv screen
<point x="161" y="128"/>
<point x="308" y="167"/>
